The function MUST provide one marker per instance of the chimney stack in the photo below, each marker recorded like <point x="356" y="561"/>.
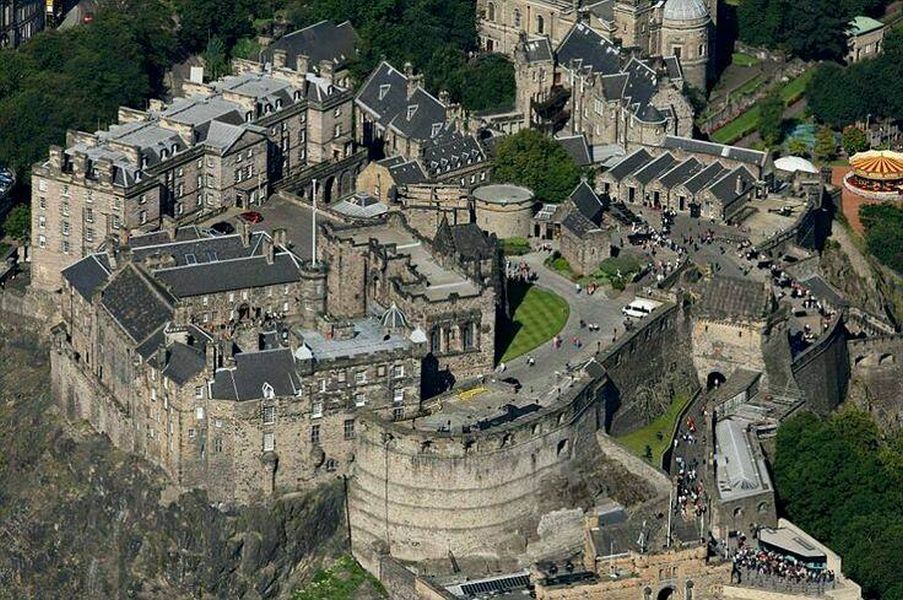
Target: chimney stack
<point x="302" y="64"/>
<point x="269" y="249"/>
<point x="245" y="232"/>
<point x="280" y="237"/>
<point x="327" y="70"/>
<point x="739" y="187"/>
<point x="279" y="58"/>
<point x="210" y="357"/>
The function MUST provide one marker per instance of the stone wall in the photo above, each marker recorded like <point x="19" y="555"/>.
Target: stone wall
<point x="722" y="346"/>
<point x="646" y="370"/>
<point x="823" y="370"/>
<point x="419" y="495"/>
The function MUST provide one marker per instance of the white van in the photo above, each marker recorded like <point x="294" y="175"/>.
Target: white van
<point x="640" y="307"/>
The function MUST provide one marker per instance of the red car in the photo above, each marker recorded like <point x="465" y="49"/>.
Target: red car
<point x="252" y="216"/>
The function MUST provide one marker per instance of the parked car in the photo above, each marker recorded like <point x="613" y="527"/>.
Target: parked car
<point x="222" y="228"/>
<point x="252" y="216"/>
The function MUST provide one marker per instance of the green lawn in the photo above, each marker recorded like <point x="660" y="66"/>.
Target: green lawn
<point x="538" y="315"/>
<point x="741" y="59"/>
<point x="341" y="581"/>
<point x="515" y="246"/>
<point x="560" y="265"/>
<point x="748" y="122"/>
<point x="665" y="425"/>
<point x="748" y="87"/>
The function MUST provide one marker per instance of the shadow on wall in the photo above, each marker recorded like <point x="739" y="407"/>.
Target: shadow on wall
<point x="434" y="381"/>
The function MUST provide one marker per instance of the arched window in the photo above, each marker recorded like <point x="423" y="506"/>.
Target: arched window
<point x="490" y="11"/>
<point x="701" y="49"/>
<point x="540" y="24"/>
<point x="517" y="18"/>
<point x="688" y="595"/>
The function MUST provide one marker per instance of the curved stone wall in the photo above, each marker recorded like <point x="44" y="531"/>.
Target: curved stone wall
<point x="422" y="494"/>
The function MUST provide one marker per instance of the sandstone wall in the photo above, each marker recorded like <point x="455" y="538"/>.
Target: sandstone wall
<point x="823" y="370"/>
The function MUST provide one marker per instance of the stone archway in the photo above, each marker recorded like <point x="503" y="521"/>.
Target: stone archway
<point x="666" y="593"/>
<point x="714" y="380"/>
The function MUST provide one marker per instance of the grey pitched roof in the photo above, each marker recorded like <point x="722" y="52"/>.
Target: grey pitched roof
<point x="420" y="117"/>
<point x="672" y="142"/>
<point x="613" y="86"/>
<point x="191" y="251"/>
<point x="680" y="173"/>
<point x="734" y="297"/>
<point x="384" y="93"/>
<point x="604" y="10"/>
<point x="471" y="241"/>
<point x="407" y="173"/>
<point x="322" y="41"/>
<point x="223" y="276"/>
<point x="639" y="90"/>
<point x="629" y="164"/>
<point x="724" y="189"/>
<point x="585" y="48"/>
<point x="86" y="276"/>
<point x="450" y="152"/>
<point x="702" y="178"/>
<point x="577" y="147"/>
<point x="252" y="370"/>
<point x="578" y="224"/>
<point x="137" y="305"/>
<point x="587" y="202"/>
<point x="672" y="64"/>
<point x="538" y="50"/>
<point x="652" y="170"/>
<point x="183" y="363"/>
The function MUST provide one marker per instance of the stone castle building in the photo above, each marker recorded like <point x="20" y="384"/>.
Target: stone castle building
<point x="684" y="29"/>
<point x="224" y="145"/>
<point x="240" y="368"/>
<point x="19" y="21"/>
<point x="586" y="85"/>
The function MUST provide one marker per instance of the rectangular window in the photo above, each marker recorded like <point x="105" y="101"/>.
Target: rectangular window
<point x="398" y="413"/>
<point x="42" y="202"/>
<point x="192" y="433"/>
<point x="316" y="409"/>
<point x="199" y="392"/>
<point x="269" y="442"/>
<point x="269" y="415"/>
<point x="42" y="222"/>
<point x="199" y="413"/>
<point x="89" y="215"/>
<point x="341" y="376"/>
<point x="322" y="385"/>
<point x="42" y="185"/>
<point x="64" y="208"/>
<point x="142" y="217"/>
<point x="42" y="241"/>
<point x="65" y="246"/>
<point x="65" y="227"/>
<point x="218" y="423"/>
<point x="360" y="377"/>
<point x="218" y="444"/>
<point x="398" y="396"/>
<point x="398" y="371"/>
<point x="349" y="429"/>
<point x="360" y="400"/>
<point x="315" y="435"/>
<point x="381" y="371"/>
<point x="89" y="235"/>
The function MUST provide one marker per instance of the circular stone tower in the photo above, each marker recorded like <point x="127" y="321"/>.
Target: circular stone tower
<point x="686" y="25"/>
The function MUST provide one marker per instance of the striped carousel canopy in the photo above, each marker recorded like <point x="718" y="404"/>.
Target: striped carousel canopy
<point x="881" y="165"/>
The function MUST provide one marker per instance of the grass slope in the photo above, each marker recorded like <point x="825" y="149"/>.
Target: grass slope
<point x="539" y="314"/>
<point x="665" y="424"/>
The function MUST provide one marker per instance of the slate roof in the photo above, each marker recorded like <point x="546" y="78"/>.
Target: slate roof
<point x="450" y="153"/>
<point x="384" y="93"/>
<point x="672" y="64"/>
<point x="672" y="142"/>
<point x="322" y="41"/>
<point x="136" y="303"/>
<point x="420" y="117"/>
<point x="734" y="297"/>
<point x="183" y="363"/>
<point x="603" y="10"/>
<point x="223" y="276"/>
<point x="658" y="166"/>
<point x="538" y="50"/>
<point x="586" y="49"/>
<point x="577" y="147"/>
<point x="407" y="173"/>
<point x="724" y="189"/>
<point x="245" y="381"/>
<point x="629" y="164"/>
<point x="704" y="177"/>
<point x="86" y="276"/>
<point x="578" y="224"/>
<point x="587" y="202"/>
<point x="200" y="251"/>
<point x="680" y="173"/>
<point x="465" y="239"/>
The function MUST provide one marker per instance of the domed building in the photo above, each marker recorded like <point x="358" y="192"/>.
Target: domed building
<point x="685" y="34"/>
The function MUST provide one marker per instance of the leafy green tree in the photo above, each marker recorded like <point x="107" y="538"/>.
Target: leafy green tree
<point x="18" y="222"/>
<point x="488" y="83"/>
<point x="771" y="118"/>
<point x="797" y="147"/>
<point x="825" y="146"/>
<point x="854" y="140"/>
<point x="201" y="20"/>
<point x="215" y="60"/>
<point x="539" y="162"/>
<point x="884" y="232"/>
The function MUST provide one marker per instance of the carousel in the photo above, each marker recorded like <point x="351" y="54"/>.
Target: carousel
<point x="876" y="174"/>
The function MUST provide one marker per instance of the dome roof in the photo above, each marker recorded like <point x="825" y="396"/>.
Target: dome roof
<point x="792" y="164"/>
<point x="394" y="318"/>
<point x="685" y="10"/>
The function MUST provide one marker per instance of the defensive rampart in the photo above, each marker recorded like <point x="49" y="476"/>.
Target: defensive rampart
<point x="822" y="371"/>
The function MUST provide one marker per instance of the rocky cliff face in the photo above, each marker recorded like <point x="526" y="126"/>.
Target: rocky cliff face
<point x="79" y="519"/>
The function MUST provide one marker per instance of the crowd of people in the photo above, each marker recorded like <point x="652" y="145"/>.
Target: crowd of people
<point x="690" y="499"/>
<point x="520" y="271"/>
<point x="750" y="561"/>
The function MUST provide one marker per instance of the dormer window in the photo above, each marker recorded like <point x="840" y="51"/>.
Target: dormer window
<point x="175" y="149"/>
<point x="412" y="110"/>
<point x="278" y="104"/>
<point x="268" y="391"/>
<point x="249" y="116"/>
<point x="437" y="127"/>
<point x="297" y="96"/>
<point x="164" y="154"/>
<point x="383" y="90"/>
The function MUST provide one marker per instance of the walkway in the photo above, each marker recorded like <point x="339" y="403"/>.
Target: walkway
<point x="597" y="309"/>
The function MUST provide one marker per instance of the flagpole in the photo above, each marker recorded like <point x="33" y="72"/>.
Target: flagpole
<point x="313" y="228"/>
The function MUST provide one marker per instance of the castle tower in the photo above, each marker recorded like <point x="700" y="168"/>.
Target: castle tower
<point x="685" y="33"/>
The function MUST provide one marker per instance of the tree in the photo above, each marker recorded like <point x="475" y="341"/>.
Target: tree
<point x="825" y="146"/>
<point x="18" y="223"/>
<point x="539" y="162"/>
<point x="884" y="232"/>
<point x="854" y="140"/>
<point x="215" y="60"/>
<point x="771" y="118"/>
<point x="488" y="83"/>
<point x="201" y="20"/>
<point x="798" y="147"/>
